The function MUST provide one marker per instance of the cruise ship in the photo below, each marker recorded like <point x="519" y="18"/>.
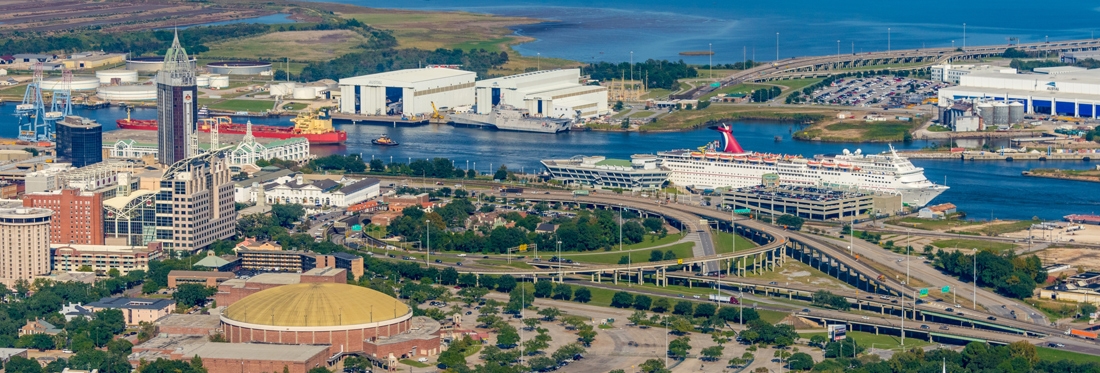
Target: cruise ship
<point x="725" y="164"/>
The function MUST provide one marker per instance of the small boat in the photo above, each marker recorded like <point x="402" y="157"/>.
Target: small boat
<point x="384" y="141"/>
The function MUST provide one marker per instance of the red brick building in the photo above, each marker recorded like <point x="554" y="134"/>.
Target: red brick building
<point x="77" y="218"/>
<point x="233" y="290"/>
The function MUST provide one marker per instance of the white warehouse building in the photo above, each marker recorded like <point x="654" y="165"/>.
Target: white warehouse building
<point x="552" y="93"/>
<point x="409" y="91"/>
<point x="1075" y="94"/>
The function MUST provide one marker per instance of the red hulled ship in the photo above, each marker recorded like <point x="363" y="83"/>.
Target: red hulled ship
<point x="306" y="125"/>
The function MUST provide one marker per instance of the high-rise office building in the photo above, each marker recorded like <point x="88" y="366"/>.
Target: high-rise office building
<point x="24" y="244"/>
<point x="77" y="217"/>
<point x="79" y="141"/>
<point x="177" y="107"/>
<point x="195" y="206"/>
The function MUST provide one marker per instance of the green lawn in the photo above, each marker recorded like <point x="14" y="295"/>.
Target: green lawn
<point x="488" y="45"/>
<point x="414" y="363"/>
<point x="973" y="244"/>
<point x="745" y="88"/>
<point x="682" y="250"/>
<point x="771" y="316"/>
<point x="657" y="92"/>
<point x="797" y="84"/>
<point x="255" y="106"/>
<point x="881" y="341"/>
<point x="641" y="114"/>
<point x="933" y="224"/>
<point x="723" y="244"/>
<point x="1053" y="354"/>
<point x="875" y="131"/>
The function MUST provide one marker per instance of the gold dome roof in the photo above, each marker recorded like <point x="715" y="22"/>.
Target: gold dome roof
<point x="316" y="304"/>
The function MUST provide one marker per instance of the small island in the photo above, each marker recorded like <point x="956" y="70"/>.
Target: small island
<point x="1054" y="173"/>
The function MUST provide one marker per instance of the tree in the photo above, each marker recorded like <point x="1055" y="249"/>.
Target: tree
<point x="637" y="317"/>
<point x="531" y="323"/>
<point x="712" y="353"/>
<point x="550" y="313"/>
<point x="376" y="165"/>
<point x="19" y="364"/>
<point x="683" y="308"/>
<point x="582" y="295"/>
<point x="318" y="370"/>
<point x="678" y="348"/>
<point x="1024" y="350"/>
<point x="544" y="289"/>
<point x="818" y="340"/>
<point x="790" y="221"/>
<point x="642" y="302"/>
<point x="586" y="335"/>
<point x="705" y="310"/>
<point x="508" y="337"/>
<point x="567" y="352"/>
<point x="190" y="295"/>
<point x="653" y="366"/>
<point x="660" y="305"/>
<point x="653" y="224"/>
<point x="680" y="325"/>
<point x="655" y="256"/>
<point x="501" y="174"/>
<point x="622" y="299"/>
<point x="448" y="276"/>
<point x="40" y="342"/>
<point x="802" y="361"/>
<point x="506" y="283"/>
<point x="563" y="291"/>
<point x="541" y="363"/>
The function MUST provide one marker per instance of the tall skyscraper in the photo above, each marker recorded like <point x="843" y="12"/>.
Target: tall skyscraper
<point x="24" y="244"/>
<point x="80" y="141"/>
<point x="195" y="206"/>
<point x="177" y="107"/>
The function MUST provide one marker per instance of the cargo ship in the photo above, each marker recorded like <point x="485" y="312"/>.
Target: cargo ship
<point x="307" y="125"/>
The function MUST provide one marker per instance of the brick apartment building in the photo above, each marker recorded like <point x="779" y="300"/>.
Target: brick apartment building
<point x="77" y="218"/>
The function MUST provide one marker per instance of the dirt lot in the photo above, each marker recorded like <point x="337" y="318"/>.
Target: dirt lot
<point x="1090" y="234"/>
<point x="1088" y="259"/>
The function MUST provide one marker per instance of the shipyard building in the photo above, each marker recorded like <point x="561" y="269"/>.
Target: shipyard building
<point x="409" y="92"/>
<point x="1068" y="91"/>
<point x="551" y="93"/>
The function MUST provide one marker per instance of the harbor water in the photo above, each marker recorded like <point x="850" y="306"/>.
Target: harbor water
<point x="979" y="188"/>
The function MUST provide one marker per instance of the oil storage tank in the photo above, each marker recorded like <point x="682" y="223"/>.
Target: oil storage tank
<point x="219" y="81"/>
<point x="1000" y="114"/>
<point x="116" y="76"/>
<point x="202" y="80"/>
<point x="1015" y="112"/>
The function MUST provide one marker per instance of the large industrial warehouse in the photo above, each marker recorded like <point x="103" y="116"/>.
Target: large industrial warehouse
<point x="553" y="93"/>
<point x="1069" y="92"/>
<point x="408" y="92"/>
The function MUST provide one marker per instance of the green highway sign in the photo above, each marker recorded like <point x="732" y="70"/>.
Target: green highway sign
<point x="357" y="228"/>
<point x="742" y="211"/>
<point x="945" y="289"/>
<point x="924" y="292"/>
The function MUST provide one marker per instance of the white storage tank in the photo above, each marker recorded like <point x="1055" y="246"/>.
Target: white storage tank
<point x="116" y="77"/>
<point x="282" y="89"/>
<point x="128" y="93"/>
<point x="79" y="83"/>
<point x="202" y="80"/>
<point x="219" y="81"/>
<point x="1000" y="114"/>
<point x="305" y="93"/>
<point x="1015" y="112"/>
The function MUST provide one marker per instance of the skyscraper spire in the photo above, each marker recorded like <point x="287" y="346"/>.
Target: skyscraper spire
<point x="176" y="106"/>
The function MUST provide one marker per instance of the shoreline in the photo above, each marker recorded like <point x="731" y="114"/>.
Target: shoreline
<point x="1089" y="179"/>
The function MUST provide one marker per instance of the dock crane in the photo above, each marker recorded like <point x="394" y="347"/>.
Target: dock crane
<point x="435" y="113"/>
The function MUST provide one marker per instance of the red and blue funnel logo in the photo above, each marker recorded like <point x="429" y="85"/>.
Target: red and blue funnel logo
<point x="729" y="143"/>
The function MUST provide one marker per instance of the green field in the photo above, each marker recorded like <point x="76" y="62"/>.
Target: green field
<point x="313" y="45"/>
<point x="881" y="341"/>
<point x="682" y="250"/>
<point x="255" y="106"/>
<point x="745" y="88"/>
<point x="1002" y="228"/>
<point x="796" y="84"/>
<point x="973" y="244"/>
<point x="933" y="224"/>
<point x="414" y="363"/>
<point x="875" y="131"/>
<point x="1053" y="354"/>
<point x="723" y="245"/>
<point x="488" y="45"/>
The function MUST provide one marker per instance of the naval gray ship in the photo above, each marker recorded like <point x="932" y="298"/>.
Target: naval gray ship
<point x="509" y="118"/>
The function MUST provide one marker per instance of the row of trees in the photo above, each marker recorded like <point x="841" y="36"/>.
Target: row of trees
<point x="1010" y="275"/>
<point x="658" y="73"/>
<point x="440" y="168"/>
<point x="1016" y="357"/>
<point x="766" y="94"/>
<point x="380" y="58"/>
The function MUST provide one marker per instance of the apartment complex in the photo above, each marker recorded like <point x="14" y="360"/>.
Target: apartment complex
<point x="77" y="215"/>
<point x="194" y="206"/>
<point x="103" y="258"/>
<point x="24" y="244"/>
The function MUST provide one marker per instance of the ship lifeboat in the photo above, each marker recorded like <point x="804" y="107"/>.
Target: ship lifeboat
<point x="769" y="160"/>
<point x="725" y="157"/>
<point x="754" y="159"/>
<point x="828" y="164"/>
<point x="712" y="155"/>
<point x="696" y="155"/>
<point x="739" y="158"/>
<point x="814" y="163"/>
<point x="845" y="166"/>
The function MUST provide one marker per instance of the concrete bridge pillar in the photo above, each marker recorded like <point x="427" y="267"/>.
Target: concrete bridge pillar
<point x="615" y="275"/>
<point x="639" y="276"/>
<point x="477" y="280"/>
<point x="599" y="276"/>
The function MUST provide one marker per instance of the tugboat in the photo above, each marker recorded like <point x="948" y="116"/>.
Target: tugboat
<point x="384" y="141"/>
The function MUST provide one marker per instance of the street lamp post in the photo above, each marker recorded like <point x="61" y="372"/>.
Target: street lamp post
<point x="559" y="259"/>
<point x="975" y="275"/>
<point x="777" y="47"/>
<point x="428" y="247"/>
<point x="907" y="248"/>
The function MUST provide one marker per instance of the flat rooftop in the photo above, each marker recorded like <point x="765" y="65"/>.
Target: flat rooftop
<point x="406" y="76"/>
<point x="255" y="351"/>
<point x="800" y="193"/>
<point x="211" y="321"/>
<point x="422" y="328"/>
<point x="267" y="278"/>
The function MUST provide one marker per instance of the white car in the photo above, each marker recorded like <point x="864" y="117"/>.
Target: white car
<point x="422" y="360"/>
<point x="462" y="255"/>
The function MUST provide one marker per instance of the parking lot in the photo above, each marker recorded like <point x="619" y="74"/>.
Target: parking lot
<point x="883" y="91"/>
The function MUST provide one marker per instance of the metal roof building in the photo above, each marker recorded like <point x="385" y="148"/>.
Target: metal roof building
<point x="553" y="93"/>
<point x="1062" y="92"/>
<point x="407" y="92"/>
